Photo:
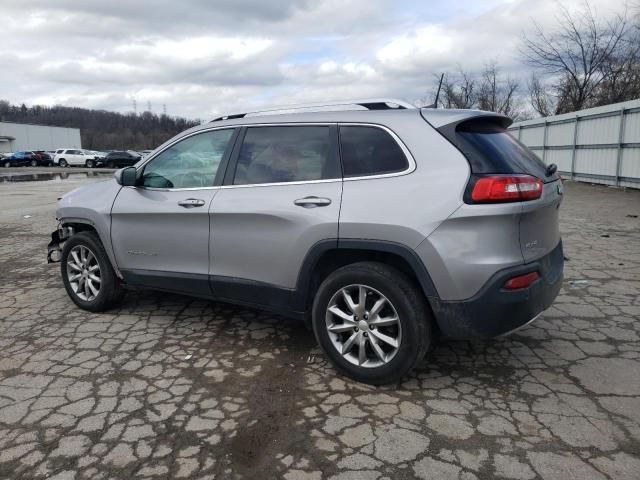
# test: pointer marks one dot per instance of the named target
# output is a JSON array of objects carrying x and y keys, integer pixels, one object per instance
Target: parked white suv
[{"x": 75, "y": 157}]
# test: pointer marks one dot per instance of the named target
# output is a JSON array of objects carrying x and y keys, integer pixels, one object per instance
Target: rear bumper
[{"x": 495, "y": 311}]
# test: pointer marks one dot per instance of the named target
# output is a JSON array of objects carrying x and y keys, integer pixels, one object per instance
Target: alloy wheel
[
  {"x": 363, "y": 326},
  {"x": 83, "y": 273}
]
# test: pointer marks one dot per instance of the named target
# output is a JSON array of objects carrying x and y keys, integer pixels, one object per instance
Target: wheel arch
[
  {"x": 328, "y": 255},
  {"x": 85, "y": 225}
]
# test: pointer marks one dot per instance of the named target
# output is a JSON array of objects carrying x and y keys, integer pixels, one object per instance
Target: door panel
[
  {"x": 259, "y": 233},
  {"x": 160, "y": 229},
  {"x": 150, "y": 230},
  {"x": 77, "y": 159}
]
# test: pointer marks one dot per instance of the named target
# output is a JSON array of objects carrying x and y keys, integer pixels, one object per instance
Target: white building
[{"x": 20, "y": 136}]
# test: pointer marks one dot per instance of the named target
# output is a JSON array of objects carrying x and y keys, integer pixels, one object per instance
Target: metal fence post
[
  {"x": 573, "y": 150},
  {"x": 519, "y": 133},
  {"x": 621, "y": 126},
  {"x": 544, "y": 143}
]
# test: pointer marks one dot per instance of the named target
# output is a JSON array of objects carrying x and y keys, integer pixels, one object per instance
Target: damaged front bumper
[{"x": 58, "y": 237}]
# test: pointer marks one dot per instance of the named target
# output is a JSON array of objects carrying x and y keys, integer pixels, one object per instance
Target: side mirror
[{"x": 126, "y": 176}]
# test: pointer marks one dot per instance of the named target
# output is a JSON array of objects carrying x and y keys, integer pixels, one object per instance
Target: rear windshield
[{"x": 490, "y": 149}]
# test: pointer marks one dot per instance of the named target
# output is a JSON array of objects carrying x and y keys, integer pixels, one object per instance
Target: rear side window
[
  {"x": 370, "y": 151},
  {"x": 286, "y": 154},
  {"x": 490, "y": 149}
]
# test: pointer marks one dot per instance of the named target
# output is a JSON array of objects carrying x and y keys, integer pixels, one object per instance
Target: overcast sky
[{"x": 203, "y": 57}]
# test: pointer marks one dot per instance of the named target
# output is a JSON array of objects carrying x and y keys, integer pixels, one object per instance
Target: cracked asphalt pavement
[{"x": 168, "y": 386}]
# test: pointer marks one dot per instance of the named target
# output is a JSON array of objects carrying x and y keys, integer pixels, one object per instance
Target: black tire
[
  {"x": 110, "y": 292},
  {"x": 413, "y": 312},
  {"x": 89, "y": 163},
  {"x": 34, "y": 163},
  {"x": 110, "y": 164},
  {"x": 63, "y": 163},
  {"x": 7, "y": 164}
]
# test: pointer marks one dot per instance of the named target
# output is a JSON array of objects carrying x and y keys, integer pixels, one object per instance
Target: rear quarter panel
[
  {"x": 407, "y": 208},
  {"x": 470, "y": 246}
]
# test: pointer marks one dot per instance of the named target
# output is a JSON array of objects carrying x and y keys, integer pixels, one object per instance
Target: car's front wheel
[
  {"x": 87, "y": 274},
  {"x": 34, "y": 163},
  {"x": 89, "y": 163},
  {"x": 372, "y": 322},
  {"x": 7, "y": 164},
  {"x": 63, "y": 163}
]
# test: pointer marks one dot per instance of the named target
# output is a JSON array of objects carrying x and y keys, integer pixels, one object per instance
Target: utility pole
[
  {"x": 135, "y": 107},
  {"x": 149, "y": 106},
  {"x": 164, "y": 109}
]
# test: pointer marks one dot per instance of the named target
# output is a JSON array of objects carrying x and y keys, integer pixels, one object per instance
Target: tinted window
[
  {"x": 190, "y": 163},
  {"x": 489, "y": 148},
  {"x": 286, "y": 154},
  {"x": 501, "y": 152},
  {"x": 370, "y": 151}
]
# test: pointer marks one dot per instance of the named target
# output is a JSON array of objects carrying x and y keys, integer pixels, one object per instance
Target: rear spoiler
[{"x": 438, "y": 118}]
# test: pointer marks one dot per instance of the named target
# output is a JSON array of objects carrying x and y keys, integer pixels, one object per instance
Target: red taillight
[
  {"x": 521, "y": 281},
  {"x": 500, "y": 188}
]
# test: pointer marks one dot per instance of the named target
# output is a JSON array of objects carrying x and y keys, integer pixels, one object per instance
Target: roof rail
[{"x": 367, "y": 103}]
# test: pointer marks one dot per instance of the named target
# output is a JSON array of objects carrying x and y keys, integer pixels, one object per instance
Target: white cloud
[{"x": 429, "y": 42}]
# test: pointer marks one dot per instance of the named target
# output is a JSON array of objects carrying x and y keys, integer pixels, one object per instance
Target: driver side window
[{"x": 190, "y": 163}]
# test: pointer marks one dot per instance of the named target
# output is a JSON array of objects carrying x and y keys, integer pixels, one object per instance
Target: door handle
[
  {"x": 312, "y": 202},
  {"x": 191, "y": 202}
]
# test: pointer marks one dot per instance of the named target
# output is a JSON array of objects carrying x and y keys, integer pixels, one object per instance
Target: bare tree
[
  {"x": 621, "y": 71},
  {"x": 498, "y": 94},
  {"x": 486, "y": 90},
  {"x": 459, "y": 91},
  {"x": 576, "y": 55},
  {"x": 541, "y": 100}
]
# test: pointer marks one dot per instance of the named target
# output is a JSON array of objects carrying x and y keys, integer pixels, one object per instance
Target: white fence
[{"x": 597, "y": 145}]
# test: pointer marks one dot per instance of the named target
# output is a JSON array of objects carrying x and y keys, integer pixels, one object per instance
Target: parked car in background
[
  {"x": 119, "y": 159},
  {"x": 76, "y": 157},
  {"x": 382, "y": 227},
  {"x": 18, "y": 159},
  {"x": 42, "y": 159}
]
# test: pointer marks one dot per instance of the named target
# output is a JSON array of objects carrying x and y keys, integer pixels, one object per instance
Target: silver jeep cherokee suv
[{"x": 381, "y": 224}]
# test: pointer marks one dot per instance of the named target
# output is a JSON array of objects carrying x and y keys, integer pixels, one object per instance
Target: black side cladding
[{"x": 490, "y": 149}]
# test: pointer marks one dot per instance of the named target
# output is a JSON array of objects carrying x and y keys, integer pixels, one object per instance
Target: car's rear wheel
[
  {"x": 88, "y": 276},
  {"x": 63, "y": 162},
  {"x": 372, "y": 322},
  {"x": 89, "y": 164},
  {"x": 110, "y": 164},
  {"x": 7, "y": 164}
]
